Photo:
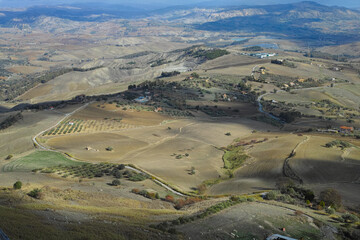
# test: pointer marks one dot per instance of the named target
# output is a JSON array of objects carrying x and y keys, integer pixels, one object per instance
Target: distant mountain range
[
  {"x": 307, "y": 21},
  {"x": 153, "y": 4}
]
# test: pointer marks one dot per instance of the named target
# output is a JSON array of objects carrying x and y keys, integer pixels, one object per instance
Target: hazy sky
[{"x": 165, "y": 3}]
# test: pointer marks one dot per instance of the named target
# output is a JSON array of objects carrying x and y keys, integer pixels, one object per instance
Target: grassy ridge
[
  {"x": 25, "y": 224},
  {"x": 39, "y": 159}
]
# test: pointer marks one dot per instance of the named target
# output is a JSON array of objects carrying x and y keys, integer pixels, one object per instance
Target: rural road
[
  {"x": 66, "y": 116},
  {"x": 158, "y": 182}
]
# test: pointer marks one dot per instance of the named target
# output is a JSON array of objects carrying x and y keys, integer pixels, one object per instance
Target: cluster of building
[
  {"x": 260, "y": 55},
  {"x": 342, "y": 129}
]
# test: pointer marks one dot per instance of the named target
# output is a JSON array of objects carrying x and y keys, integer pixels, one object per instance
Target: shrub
[
  {"x": 287, "y": 198},
  {"x": 192, "y": 170},
  {"x": 348, "y": 217},
  {"x": 180, "y": 203},
  {"x": 109, "y": 149},
  {"x": 272, "y": 195},
  {"x": 36, "y": 193},
  {"x": 201, "y": 188},
  {"x": 138, "y": 177},
  {"x": 150, "y": 195},
  {"x": 169, "y": 198},
  {"x": 331, "y": 197},
  {"x": 10, "y": 156},
  {"x": 322, "y": 204},
  {"x": 135, "y": 190},
  {"x": 330, "y": 210},
  {"x": 116, "y": 182},
  {"x": 117, "y": 174},
  {"x": 18, "y": 185}
]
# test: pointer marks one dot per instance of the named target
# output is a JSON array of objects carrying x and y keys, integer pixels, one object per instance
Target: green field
[
  {"x": 234, "y": 156},
  {"x": 39, "y": 159}
]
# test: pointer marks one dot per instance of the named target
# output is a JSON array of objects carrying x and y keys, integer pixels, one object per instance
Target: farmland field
[{"x": 39, "y": 159}]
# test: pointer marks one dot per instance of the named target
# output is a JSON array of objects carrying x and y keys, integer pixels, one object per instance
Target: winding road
[{"x": 61, "y": 120}]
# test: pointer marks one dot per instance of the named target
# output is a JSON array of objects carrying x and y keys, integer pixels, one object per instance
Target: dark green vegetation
[
  {"x": 285, "y": 63},
  {"x": 39, "y": 159},
  {"x": 159, "y": 62},
  {"x": 208, "y": 54},
  {"x": 169, "y": 74},
  {"x": 11, "y": 120},
  {"x": 35, "y": 193},
  {"x": 17, "y": 185},
  {"x": 253, "y": 49},
  {"x": 338, "y": 143},
  {"x": 290, "y": 116},
  {"x": 116, "y": 182},
  {"x": 291, "y": 194}
]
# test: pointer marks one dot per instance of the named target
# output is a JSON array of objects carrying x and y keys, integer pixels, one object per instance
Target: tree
[
  {"x": 18, "y": 185},
  {"x": 116, "y": 182},
  {"x": 117, "y": 174},
  {"x": 195, "y": 75},
  {"x": 331, "y": 197},
  {"x": 309, "y": 195},
  {"x": 121, "y": 167}
]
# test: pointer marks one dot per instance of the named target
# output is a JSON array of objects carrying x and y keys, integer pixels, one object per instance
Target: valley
[{"x": 179, "y": 124}]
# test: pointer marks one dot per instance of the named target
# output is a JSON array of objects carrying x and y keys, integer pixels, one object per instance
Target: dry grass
[{"x": 96, "y": 143}]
